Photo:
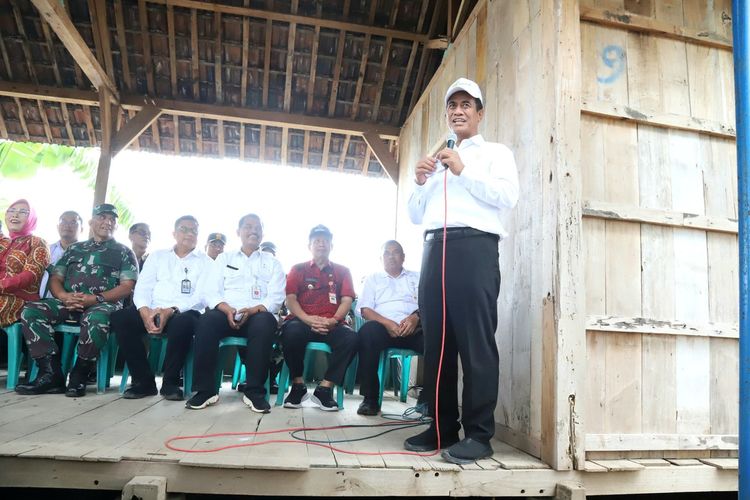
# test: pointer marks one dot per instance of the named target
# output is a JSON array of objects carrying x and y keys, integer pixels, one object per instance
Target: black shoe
[
  {"x": 257, "y": 403},
  {"x": 171, "y": 392},
  {"x": 297, "y": 394},
  {"x": 323, "y": 397},
  {"x": 241, "y": 387},
  {"x": 427, "y": 441},
  {"x": 138, "y": 391},
  {"x": 274, "y": 388},
  {"x": 202, "y": 399},
  {"x": 368, "y": 407},
  {"x": 78, "y": 378},
  {"x": 466, "y": 451},
  {"x": 49, "y": 380},
  {"x": 91, "y": 378}
]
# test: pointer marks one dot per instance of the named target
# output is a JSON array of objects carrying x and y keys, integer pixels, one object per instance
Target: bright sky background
[{"x": 360, "y": 211}]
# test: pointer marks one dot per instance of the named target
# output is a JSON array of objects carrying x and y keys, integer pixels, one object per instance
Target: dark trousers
[
  {"x": 128, "y": 326},
  {"x": 472, "y": 283},
  {"x": 373, "y": 339},
  {"x": 343, "y": 342},
  {"x": 213, "y": 326}
]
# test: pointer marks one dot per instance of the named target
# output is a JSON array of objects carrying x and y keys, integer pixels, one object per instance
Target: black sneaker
[
  {"x": 202, "y": 399},
  {"x": 368, "y": 407},
  {"x": 138, "y": 391},
  {"x": 427, "y": 441},
  {"x": 466, "y": 451},
  {"x": 257, "y": 403},
  {"x": 323, "y": 397},
  {"x": 171, "y": 392},
  {"x": 296, "y": 396}
]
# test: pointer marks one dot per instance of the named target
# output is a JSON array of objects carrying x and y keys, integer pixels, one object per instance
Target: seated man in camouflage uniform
[{"x": 88, "y": 283}]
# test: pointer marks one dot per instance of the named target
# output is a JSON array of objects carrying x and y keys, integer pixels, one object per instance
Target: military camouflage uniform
[{"x": 88, "y": 267}]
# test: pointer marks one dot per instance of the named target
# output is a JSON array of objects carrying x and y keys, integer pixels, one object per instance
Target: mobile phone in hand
[
  {"x": 238, "y": 316},
  {"x": 157, "y": 320}
]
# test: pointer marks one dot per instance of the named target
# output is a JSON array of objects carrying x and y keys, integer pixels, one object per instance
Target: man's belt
[{"x": 455, "y": 232}]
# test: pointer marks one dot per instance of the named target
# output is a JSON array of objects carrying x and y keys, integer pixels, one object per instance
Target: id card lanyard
[{"x": 185, "y": 285}]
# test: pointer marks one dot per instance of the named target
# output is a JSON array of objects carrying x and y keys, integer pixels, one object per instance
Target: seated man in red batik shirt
[{"x": 319, "y": 294}]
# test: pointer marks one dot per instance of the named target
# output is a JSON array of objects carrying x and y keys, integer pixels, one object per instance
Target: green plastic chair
[
  {"x": 239, "y": 367},
  {"x": 385, "y": 357},
  {"x": 156, "y": 352},
  {"x": 15, "y": 354}
]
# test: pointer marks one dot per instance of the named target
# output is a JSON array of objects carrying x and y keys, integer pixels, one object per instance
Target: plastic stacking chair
[
  {"x": 239, "y": 368},
  {"x": 156, "y": 351},
  {"x": 15, "y": 354},
  {"x": 284, "y": 375},
  {"x": 385, "y": 357}
]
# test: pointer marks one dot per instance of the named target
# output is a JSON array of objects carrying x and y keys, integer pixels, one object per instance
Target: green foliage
[{"x": 22, "y": 160}]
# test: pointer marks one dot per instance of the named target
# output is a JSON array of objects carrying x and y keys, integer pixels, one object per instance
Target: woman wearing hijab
[{"x": 23, "y": 259}]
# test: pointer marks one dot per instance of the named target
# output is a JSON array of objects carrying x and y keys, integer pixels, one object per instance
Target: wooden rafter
[
  {"x": 45, "y": 121},
  {"x": 172, "y": 51},
  {"x": 89, "y": 125},
  {"x": 381, "y": 80},
  {"x": 54, "y": 13},
  {"x": 422, "y": 66},
  {"x": 123, "y": 45},
  {"x": 25, "y": 39},
  {"x": 242, "y": 141},
  {"x": 326, "y": 151},
  {"x": 291, "y": 39},
  {"x": 243, "y": 75},
  {"x": 101, "y": 26},
  {"x": 134, "y": 128},
  {"x": 410, "y": 65},
  {"x": 3, "y": 128},
  {"x": 148, "y": 67},
  {"x": 95, "y": 34},
  {"x": 284, "y": 146},
  {"x": 218, "y": 55},
  {"x": 58, "y": 79},
  {"x": 199, "y": 134},
  {"x": 336, "y": 73},
  {"x": 262, "y": 144},
  {"x": 461, "y": 14},
  {"x": 22, "y": 118},
  {"x": 344, "y": 150},
  {"x": 195, "y": 54},
  {"x": 267, "y": 62},
  {"x": 220, "y": 137},
  {"x": 270, "y": 15},
  {"x": 313, "y": 63},
  {"x": 6, "y": 60},
  {"x": 383, "y": 154},
  {"x": 305, "y": 152},
  {"x": 366, "y": 164},
  {"x": 363, "y": 63}
]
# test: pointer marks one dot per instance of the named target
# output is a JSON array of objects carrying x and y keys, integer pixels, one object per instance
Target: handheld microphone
[{"x": 452, "y": 138}]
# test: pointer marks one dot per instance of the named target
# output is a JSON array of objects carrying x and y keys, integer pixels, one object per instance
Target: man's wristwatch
[
  {"x": 100, "y": 298},
  {"x": 175, "y": 310}
]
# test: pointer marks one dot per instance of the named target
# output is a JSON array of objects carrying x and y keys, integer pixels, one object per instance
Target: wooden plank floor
[{"x": 108, "y": 428}]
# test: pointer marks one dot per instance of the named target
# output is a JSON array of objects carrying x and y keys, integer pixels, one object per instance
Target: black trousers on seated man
[
  {"x": 472, "y": 282},
  {"x": 373, "y": 340},
  {"x": 128, "y": 326},
  {"x": 259, "y": 329},
  {"x": 295, "y": 335}
]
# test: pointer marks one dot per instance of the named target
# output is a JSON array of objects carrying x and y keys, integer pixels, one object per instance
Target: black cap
[
  {"x": 104, "y": 208},
  {"x": 217, "y": 237},
  {"x": 320, "y": 230},
  {"x": 268, "y": 246}
]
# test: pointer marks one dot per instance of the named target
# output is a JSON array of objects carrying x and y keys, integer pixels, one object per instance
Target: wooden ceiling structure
[{"x": 322, "y": 84}]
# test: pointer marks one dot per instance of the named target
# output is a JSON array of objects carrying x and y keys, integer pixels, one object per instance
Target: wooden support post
[
  {"x": 384, "y": 156},
  {"x": 102, "y": 172},
  {"x": 146, "y": 488},
  {"x": 570, "y": 490}
]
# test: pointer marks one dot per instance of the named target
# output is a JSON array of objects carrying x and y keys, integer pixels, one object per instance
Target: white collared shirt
[
  {"x": 247, "y": 281},
  {"x": 487, "y": 186},
  {"x": 160, "y": 282},
  {"x": 55, "y": 252},
  {"x": 394, "y": 298}
]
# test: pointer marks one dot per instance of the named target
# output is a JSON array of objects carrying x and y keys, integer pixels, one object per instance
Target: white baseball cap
[{"x": 467, "y": 86}]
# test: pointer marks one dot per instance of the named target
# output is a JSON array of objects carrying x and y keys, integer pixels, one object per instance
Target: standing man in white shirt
[
  {"x": 389, "y": 304},
  {"x": 245, "y": 291},
  {"x": 168, "y": 299},
  {"x": 69, "y": 226},
  {"x": 482, "y": 183}
]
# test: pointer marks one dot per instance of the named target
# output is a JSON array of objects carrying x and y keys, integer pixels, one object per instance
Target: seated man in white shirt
[
  {"x": 69, "y": 226},
  {"x": 168, "y": 299},
  {"x": 245, "y": 291},
  {"x": 389, "y": 304}
]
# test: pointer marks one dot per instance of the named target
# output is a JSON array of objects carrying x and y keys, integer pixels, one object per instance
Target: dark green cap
[{"x": 104, "y": 208}]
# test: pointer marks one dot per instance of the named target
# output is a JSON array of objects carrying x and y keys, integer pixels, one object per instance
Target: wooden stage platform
[{"x": 103, "y": 441}]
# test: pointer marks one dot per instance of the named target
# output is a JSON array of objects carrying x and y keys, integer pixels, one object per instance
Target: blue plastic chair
[
  {"x": 156, "y": 352},
  {"x": 15, "y": 354},
  {"x": 313, "y": 346},
  {"x": 385, "y": 357},
  {"x": 239, "y": 368}
]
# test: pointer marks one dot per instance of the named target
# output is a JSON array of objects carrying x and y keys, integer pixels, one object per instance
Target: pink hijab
[{"x": 30, "y": 224}]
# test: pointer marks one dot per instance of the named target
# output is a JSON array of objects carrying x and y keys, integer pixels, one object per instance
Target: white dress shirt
[
  {"x": 55, "y": 252},
  {"x": 243, "y": 281},
  {"x": 160, "y": 282},
  {"x": 394, "y": 298},
  {"x": 487, "y": 186}
]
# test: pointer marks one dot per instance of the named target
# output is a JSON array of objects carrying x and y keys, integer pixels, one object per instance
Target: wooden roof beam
[
  {"x": 202, "y": 110},
  {"x": 383, "y": 154},
  {"x": 290, "y": 60},
  {"x": 291, "y": 18},
  {"x": 54, "y": 13},
  {"x": 134, "y": 128}
]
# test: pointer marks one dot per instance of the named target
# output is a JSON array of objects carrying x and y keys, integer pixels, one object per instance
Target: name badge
[
  {"x": 332, "y": 298},
  {"x": 186, "y": 286},
  {"x": 256, "y": 292}
]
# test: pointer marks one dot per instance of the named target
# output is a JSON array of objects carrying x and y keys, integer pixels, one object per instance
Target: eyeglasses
[
  {"x": 17, "y": 211},
  {"x": 185, "y": 229},
  {"x": 70, "y": 223},
  {"x": 143, "y": 233}
]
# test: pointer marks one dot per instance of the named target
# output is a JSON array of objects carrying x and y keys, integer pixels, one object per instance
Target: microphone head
[{"x": 451, "y": 140}]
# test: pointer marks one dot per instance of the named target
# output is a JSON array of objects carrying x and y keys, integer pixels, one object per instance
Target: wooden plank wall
[
  {"x": 658, "y": 152},
  {"x": 500, "y": 47}
]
